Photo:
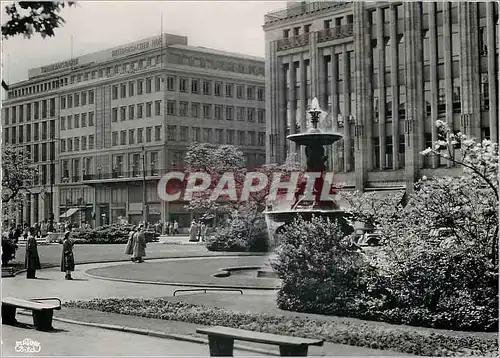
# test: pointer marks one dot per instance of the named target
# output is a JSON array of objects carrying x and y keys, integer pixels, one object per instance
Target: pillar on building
[
  {"x": 335, "y": 106},
  {"x": 434, "y": 84},
  {"x": 448, "y": 75},
  {"x": 303, "y": 103},
  {"x": 395, "y": 39},
  {"x": 363, "y": 93},
  {"x": 414, "y": 90},
  {"x": 314, "y": 63},
  {"x": 347, "y": 110},
  {"x": 292, "y": 98},
  {"x": 469, "y": 69},
  {"x": 270, "y": 102},
  {"x": 32, "y": 209},
  {"x": 381, "y": 86},
  {"x": 492, "y": 71},
  {"x": 282, "y": 111}
]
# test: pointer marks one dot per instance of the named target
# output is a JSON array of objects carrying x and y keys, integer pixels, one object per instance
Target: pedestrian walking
[
  {"x": 129, "y": 249},
  {"x": 193, "y": 231},
  {"x": 203, "y": 231},
  {"x": 176, "y": 227},
  {"x": 31, "y": 260},
  {"x": 139, "y": 245},
  {"x": 67, "y": 259},
  {"x": 170, "y": 228}
]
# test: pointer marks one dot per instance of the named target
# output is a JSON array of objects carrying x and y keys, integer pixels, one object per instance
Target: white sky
[{"x": 234, "y": 26}]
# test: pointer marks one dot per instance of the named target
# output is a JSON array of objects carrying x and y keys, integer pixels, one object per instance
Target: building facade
[
  {"x": 386, "y": 72},
  {"x": 100, "y": 125}
]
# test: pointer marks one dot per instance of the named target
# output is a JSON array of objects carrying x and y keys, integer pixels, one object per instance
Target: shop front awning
[{"x": 69, "y": 213}]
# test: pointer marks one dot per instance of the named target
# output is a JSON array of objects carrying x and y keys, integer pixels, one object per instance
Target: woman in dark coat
[
  {"x": 129, "y": 249},
  {"x": 67, "y": 260},
  {"x": 31, "y": 260}
]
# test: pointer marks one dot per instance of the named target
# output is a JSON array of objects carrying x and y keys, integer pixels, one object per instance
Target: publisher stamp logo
[{"x": 28, "y": 345}]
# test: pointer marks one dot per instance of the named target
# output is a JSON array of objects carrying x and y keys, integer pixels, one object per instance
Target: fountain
[{"x": 314, "y": 141}]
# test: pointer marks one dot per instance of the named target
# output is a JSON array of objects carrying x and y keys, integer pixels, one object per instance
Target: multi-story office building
[
  {"x": 386, "y": 72},
  {"x": 98, "y": 124}
]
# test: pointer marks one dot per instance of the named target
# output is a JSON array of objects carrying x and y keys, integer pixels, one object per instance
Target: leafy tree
[
  {"x": 18, "y": 173},
  {"x": 29, "y": 17}
]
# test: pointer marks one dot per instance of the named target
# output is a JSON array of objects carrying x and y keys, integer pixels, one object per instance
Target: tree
[
  {"x": 29, "y": 17},
  {"x": 18, "y": 173}
]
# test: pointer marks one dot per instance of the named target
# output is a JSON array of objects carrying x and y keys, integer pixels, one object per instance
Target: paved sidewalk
[{"x": 76, "y": 340}]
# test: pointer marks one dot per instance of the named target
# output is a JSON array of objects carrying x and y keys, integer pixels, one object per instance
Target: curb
[{"x": 156, "y": 334}]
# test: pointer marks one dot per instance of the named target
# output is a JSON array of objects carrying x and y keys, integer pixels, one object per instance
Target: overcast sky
[{"x": 234, "y": 26}]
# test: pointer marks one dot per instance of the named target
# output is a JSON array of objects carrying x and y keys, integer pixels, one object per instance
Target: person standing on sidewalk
[
  {"x": 31, "y": 260},
  {"x": 67, "y": 259},
  {"x": 193, "y": 231},
  {"x": 176, "y": 227},
  {"x": 139, "y": 245},
  {"x": 129, "y": 249}
]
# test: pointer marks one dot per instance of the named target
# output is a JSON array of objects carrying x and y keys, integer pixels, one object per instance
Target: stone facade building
[
  {"x": 386, "y": 72},
  {"x": 97, "y": 124}
]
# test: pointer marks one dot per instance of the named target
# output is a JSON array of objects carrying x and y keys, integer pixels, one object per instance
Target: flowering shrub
[
  {"x": 242, "y": 234},
  {"x": 412, "y": 341}
]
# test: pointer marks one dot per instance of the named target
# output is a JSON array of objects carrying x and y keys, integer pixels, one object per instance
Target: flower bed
[
  {"x": 418, "y": 342},
  {"x": 110, "y": 234}
]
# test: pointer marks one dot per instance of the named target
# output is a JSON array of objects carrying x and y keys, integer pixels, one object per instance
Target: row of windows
[
  {"x": 30, "y": 111},
  {"x": 136, "y": 137},
  {"x": 41, "y": 152},
  {"x": 182, "y": 84},
  {"x": 79, "y": 120},
  {"x": 139, "y": 64},
  {"x": 77, "y": 99},
  {"x": 30, "y": 132},
  {"x": 77, "y": 143},
  {"x": 207, "y": 111}
]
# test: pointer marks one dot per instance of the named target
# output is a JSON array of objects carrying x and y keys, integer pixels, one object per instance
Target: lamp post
[{"x": 144, "y": 203}]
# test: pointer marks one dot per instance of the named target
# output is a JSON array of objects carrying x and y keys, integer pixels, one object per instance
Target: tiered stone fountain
[{"x": 314, "y": 141}]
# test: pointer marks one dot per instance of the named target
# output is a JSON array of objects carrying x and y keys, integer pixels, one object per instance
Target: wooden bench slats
[
  {"x": 258, "y": 337},
  {"x": 31, "y": 305}
]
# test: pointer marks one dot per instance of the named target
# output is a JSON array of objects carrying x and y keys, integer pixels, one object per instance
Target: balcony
[
  {"x": 293, "y": 42},
  {"x": 333, "y": 33},
  {"x": 305, "y": 7}
]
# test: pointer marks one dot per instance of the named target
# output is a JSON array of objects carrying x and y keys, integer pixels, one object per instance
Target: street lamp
[{"x": 144, "y": 203}]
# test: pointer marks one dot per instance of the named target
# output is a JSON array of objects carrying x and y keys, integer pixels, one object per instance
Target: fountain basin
[{"x": 314, "y": 137}]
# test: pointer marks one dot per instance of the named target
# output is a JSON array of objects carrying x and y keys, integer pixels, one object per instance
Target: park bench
[
  {"x": 221, "y": 341},
  {"x": 42, "y": 312}
]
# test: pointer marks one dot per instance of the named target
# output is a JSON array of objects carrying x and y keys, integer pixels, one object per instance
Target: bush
[
  {"x": 9, "y": 248},
  {"x": 109, "y": 234},
  {"x": 418, "y": 342},
  {"x": 240, "y": 235},
  {"x": 320, "y": 271}
]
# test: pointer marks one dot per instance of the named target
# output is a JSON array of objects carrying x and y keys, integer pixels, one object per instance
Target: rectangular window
[
  {"x": 84, "y": 143},
  {"x": 63, "y": 145},
  {"x": 196, "y": 134},
  {"x": 207, "y": 111},
  {"x": 91, "y": 97},
  {"x": 229, "y": 90},
  {"x": 251, "y": 114},
  {"x": 131, "y": 112},
  {"x": 241, "y": 137},
  {"x": 207, "y": 135},
  {"x": 63, "y": 123},
  {"x": 123, "y": 90},
  {"x": 171, "y": 108},
  {"x": 77, "y": 100},
  {"x": 77, "y": 121},
  {"x": 149, "y": 131},
  {"x": 148, "y": 85},
  {"x": 91, "y": 119},
  {"x": 240, "y": 114},
  {"x": 170, "y": 83},
  {"x": 183, "y": 110},
  {"x": 63, "y": 102},
  {"x": 123, "y": 137},
  {"x": 115, "y": 138},
  {"x": 218, "y": 89},
  {"x": 230, "y": 136},
  {"x": 114, "y": 114},
  {"x": 84, "y": 98},
  {"x": 157, "y": 108},
  {"x": 123, "y": 113},
  {"x": 140, "y": 84},
  {"x": 114, "y": 93},
  {"x": 44, "y": 108},
  {"x": 140, "y": 108},
  {"x": 262, "y": 139},
  {"x": 218, "y": 112},
  {"x": 91, "y": 141},
  {"x": 131, "y": 89},
  {"x": 219, "y": 136},
  {"x": 157, "y": 83},
  {"x": 84, "y": 120},
  {"x": 206, "y": 88},
  {"x": 70, "y": 122},
  {"x": 239, "y": 91},
  {"x": 195, "y": 110},
  {"x": 172, "y": 133},
  {"x": 184, "y": 134},
  {"x": 229, "y": 113},
  {"x": 76, "y": 144},
  {"x": 148, "y": 109},
  {"x": 140, "y": 134},
  {"x": 131, "y": 136},
  {"x": 183, "y": 85},
  {"x": 157, "y": 133},
  {"x": 261, "y": 115},
  {"x": 195, "y": 86},
  {"x": 260, "y": 94},
  {"x": 52, "y": 108},
  {"x": 250, "y": 93}
]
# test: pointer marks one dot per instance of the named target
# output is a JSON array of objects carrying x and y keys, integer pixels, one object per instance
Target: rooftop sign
[{"x": 111, "y": 54}]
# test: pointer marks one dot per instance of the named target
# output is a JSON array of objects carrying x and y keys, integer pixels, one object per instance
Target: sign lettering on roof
[{"x": 60, "y": 65}]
